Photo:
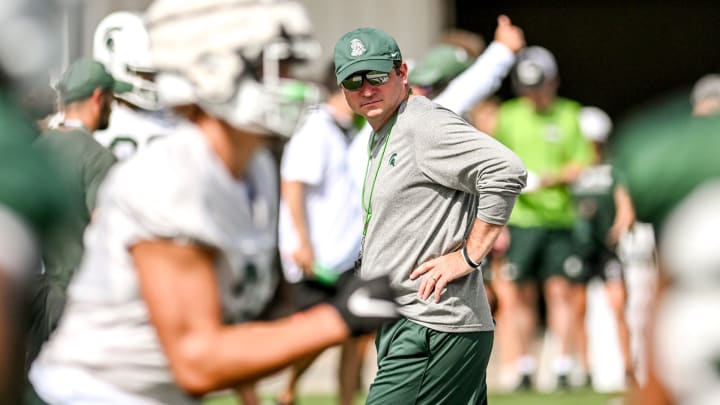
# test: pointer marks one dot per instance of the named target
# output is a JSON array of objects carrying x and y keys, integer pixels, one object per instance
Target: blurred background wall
[{"x": 612, "y": 53}]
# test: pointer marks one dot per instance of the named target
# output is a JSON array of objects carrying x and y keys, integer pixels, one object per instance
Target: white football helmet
[
  {"x": 122, "y": 44},
  {"x": 225, "y": 55}
]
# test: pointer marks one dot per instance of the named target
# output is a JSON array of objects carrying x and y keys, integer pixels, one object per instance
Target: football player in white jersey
[
  {"x": 177, "y": 262},
  {"x": 122, "y": 44}
]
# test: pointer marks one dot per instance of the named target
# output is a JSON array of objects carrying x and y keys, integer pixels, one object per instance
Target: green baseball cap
[
  {"x": 365, "y": 49},
  {"x": 84, "y": 76},
  {"x": 440, "y": 65}
]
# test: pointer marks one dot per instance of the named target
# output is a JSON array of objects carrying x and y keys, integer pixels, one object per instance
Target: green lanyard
[{"x": 368, "y": 208}]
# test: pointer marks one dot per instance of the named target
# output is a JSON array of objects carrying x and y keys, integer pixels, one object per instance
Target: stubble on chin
[{"x": 374, "y": 112}]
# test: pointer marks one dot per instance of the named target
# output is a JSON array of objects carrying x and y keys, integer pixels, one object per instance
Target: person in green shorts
[
  {"x": 436, "y": 195},
  {"x": 605, "y": 215},
  {"x": 86, "y": 91},
  {"x": 543, "y": 129}
]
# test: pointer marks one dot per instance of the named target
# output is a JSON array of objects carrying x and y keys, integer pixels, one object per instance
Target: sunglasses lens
[
  {"x": 353, "y": 83},
  {"x": 377, "y": 78}
]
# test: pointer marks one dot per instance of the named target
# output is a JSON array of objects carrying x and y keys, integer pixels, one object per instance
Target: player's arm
[
  {"x": 624, "y": 214},
  {"x": 569, "y": 173},
  {"x": 179, "y": 285},
  {"x": 293, "y": 194},
  {"x": 486, "y": 74}
]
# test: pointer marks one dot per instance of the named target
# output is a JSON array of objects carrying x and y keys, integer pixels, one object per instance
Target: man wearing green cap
[
  {"x": 435, "y": 196},
  {"x": 86, "y": 91}
]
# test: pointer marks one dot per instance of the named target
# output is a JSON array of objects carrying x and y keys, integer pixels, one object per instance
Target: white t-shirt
[
  {"x": 132, "y": 130},
  {"x": 175, "y": 189},
  {"x": 316, "y": 155}
]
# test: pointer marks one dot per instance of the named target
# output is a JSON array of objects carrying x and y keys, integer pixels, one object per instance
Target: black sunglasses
[{"x": 375, "y": 78}]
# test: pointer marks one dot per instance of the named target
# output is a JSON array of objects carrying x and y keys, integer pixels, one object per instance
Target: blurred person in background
[
  {"x": 675, "y": 188},
  {"x": 705, "y": 96},
  {"x": 605, "y": 216},
  {"x": 86, "y": 90},
  {"x": 425, "y": 162},
  {"x": 31, "y": 193},
  {"x": 178, "y": 261},
  {"x": 451, "y": 76},
  {"x": 686, "y": 335},
  {"x": 319, "y": 225},
  {"x": 437, "y": 68},
  {"x": 31, "y": 201},
  {"x": 121, "y": 43},
  {"x": 473, "y": 43},
  {"x": 544, "y": 130},
  {"x": 483, "y": 115}
]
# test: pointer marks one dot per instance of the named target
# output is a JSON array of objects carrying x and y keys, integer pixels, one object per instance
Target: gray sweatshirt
[{"x": 436, "y": 174}]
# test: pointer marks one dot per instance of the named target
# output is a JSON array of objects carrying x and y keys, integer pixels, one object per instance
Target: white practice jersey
[
  {"x": 131, "y": 130},
  {"x": 316, "y": 156},
  {"x": 175, "y": 189}
]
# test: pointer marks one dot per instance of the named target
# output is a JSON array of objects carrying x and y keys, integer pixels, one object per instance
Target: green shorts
[
  {"x": 539, "y": 253},
  {"x": 419, "y": 365}
]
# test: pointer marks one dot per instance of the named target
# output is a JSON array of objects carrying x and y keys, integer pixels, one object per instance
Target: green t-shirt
[
  {"x": 82, "y": 163},
  {"x": 546, "y": 142}
]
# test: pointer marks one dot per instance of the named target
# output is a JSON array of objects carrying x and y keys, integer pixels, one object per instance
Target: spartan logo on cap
[
  {"x": 358, "y": 48},
  {"x": 529, "y": 73}
]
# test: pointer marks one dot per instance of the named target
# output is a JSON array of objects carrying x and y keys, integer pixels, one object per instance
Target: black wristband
[{"x": 468, "y": 260}]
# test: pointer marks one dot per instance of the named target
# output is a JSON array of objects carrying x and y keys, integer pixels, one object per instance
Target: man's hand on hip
[{"x": 439, "y": 272}]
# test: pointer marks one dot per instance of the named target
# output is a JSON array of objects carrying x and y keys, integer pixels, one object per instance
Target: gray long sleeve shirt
[{"x": 436, "y": 174}]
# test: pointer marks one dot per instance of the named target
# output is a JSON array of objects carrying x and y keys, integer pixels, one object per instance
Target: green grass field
[{"x": 581, "y": 397}]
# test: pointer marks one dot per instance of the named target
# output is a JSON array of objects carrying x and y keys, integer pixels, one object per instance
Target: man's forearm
[
  {"x": 293, "y": 193},
  {"x": 481, "y": 239}
]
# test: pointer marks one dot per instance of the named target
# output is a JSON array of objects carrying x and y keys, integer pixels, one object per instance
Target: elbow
[
  {"x": 192, "y": 367},
  {"x": 193, "y": 383}
]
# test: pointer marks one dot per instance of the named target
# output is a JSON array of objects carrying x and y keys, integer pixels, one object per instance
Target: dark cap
[
  {"x": 365, "y": 49},
  {"x": 84, "y": 76}
]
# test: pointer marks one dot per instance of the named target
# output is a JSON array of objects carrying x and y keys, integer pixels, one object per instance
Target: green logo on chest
[{"x": 393, "y": 159}]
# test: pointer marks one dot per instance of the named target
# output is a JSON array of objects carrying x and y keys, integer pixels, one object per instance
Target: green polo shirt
[{"x": 545, "y": 142}]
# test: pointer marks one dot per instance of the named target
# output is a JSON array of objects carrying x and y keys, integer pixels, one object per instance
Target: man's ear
[{"x": 97, "y": 96}]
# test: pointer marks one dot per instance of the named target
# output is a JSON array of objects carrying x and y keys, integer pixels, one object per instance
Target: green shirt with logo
[{"x": 546, "y": 142}]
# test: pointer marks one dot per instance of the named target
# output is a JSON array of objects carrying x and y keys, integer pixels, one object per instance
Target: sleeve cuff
[{"x": 495, "y": 208}]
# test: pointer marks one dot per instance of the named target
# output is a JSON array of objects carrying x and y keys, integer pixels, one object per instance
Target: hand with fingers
[
  {"x": 509, "y": 35},
  {"x": 437, "y": 273},
  {"x": 304, "y": 257}
]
